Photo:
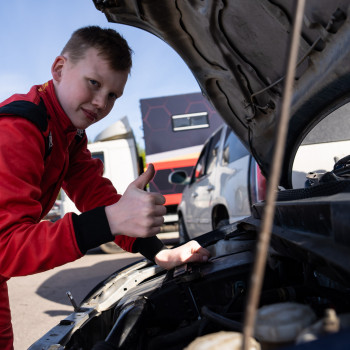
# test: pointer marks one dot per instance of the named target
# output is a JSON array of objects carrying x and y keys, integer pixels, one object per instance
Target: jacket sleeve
[
  {"x": 88, "y": 189},
  {"x": 28, "y": 245},
  {"x": 86, "y": 172}
]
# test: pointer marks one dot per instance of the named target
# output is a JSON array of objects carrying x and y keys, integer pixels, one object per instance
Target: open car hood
[{"x": 237, "y": 52}]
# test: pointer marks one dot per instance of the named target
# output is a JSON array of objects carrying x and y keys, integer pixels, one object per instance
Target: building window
[{"x": 190, "y": 121}]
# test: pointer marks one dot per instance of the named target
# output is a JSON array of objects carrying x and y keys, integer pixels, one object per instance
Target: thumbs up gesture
[{"x": 138, "y": 213}]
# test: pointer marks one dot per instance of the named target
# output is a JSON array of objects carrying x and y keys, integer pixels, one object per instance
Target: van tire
[
  {"x": 222, "y": 223},
  {"x": 183, "y": 235},
  {"x": 220, "y": 217}
]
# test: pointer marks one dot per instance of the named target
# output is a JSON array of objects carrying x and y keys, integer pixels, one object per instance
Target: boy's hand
[
  {"x": 138, "y": 213},
  {"x": 192, "y": 251}
]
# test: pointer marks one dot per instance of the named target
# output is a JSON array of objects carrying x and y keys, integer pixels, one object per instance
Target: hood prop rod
[{"x": 263, "y": 242}]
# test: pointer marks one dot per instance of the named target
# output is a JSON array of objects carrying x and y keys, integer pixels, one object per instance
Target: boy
[{"x": 43, "y": 147}]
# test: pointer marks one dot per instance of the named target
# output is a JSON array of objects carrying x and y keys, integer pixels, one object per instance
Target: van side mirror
[{"x": 179, "y": 177}]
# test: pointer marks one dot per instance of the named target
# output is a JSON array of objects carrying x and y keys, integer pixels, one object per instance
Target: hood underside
[{"x": 237, "y": 51}]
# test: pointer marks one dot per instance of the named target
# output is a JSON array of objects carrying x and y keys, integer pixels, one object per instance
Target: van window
[
  {"x": 233, "y": 148},
  {"x": 190, "y": 121},
  {"x": 213, "y": 151},
  {"x": 100, "y": 156},
  {"x": 200, "y": 166},
  {"x": 207, "y": 159}
]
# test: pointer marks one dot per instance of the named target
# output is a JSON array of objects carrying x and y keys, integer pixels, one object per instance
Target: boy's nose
[{"x": 100, "y": 102}]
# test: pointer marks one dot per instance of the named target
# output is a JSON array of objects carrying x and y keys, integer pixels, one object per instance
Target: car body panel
[
  {"x": 197, "y": 205},
  {"x": 200, "y": 191},
  {"x": 234, "y": 175}
]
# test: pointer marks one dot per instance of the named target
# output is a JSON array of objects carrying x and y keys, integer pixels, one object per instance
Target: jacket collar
[{"x": 48, "y": 94}]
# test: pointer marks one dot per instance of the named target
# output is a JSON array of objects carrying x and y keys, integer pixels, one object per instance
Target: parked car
[
  {"x": 225, "y": 182},
  {"x": 238, "y": 52}
]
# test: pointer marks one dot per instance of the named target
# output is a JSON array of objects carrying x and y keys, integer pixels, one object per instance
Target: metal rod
[
  {"x": 267, "y": 220},
  {"x": 195, "y": 304},
  {"x": 71, "y": 299}
]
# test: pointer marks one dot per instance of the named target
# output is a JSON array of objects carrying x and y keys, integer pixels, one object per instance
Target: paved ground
[{"x": 39, "y": 302}]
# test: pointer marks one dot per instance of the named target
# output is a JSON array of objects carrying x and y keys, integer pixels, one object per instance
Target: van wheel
[
  {"x": 220, "y": 218},
  {"x": 222, "y": 223},
  {"x": 183, "y": 236},
  {"x": 111, "y": 248}
]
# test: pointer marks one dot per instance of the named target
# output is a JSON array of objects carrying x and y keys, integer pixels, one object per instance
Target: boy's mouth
[{"x": 90, "y": 115}]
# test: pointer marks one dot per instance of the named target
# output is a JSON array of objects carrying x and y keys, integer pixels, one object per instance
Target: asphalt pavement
[{"x": 39, "y": 302}]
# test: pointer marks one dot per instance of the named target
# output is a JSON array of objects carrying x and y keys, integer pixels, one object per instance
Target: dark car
[{"x": 273, "y": 70}]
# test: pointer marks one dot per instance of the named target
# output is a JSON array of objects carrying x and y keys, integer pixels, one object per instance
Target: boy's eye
[
  {"x": 93, "y": 82},
  {"x": 112, "y": 95}
]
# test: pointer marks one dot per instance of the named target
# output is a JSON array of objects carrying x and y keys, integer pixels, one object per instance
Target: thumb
[{"x": 145, "y": 178}]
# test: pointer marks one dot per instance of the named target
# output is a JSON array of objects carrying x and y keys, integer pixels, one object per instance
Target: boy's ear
[{"x": 57, "y": 67}]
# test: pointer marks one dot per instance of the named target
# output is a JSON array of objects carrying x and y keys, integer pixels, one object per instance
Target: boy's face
[{"x": 88, "y": 88}]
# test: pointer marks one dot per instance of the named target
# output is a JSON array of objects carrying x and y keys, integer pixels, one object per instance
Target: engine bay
[{"x": 300, "y": 301}]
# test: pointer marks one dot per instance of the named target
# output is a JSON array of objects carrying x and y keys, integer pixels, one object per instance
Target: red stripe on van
[
  {"x": 171, "y": 199},
  {"x": 174, "y": 164}
]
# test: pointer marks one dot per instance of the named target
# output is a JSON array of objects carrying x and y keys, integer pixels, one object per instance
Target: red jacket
[{"x": 30, "y": 180}]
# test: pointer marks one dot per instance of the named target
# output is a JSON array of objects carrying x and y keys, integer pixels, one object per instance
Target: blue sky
[{"x": 32, "y": 33}]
